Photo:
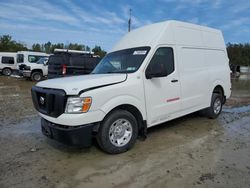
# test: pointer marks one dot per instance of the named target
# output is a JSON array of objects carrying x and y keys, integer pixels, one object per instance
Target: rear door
[
  {"x": 55, "y": 65},
  {"x": 162, "y": 94},
  {"x": 77, "y": 64}
]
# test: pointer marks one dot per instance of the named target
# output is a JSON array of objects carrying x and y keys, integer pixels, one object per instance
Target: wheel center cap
[{"x": 119, "y": 131}]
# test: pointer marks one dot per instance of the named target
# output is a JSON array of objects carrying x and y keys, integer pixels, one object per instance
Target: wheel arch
[
  {"x": 131, "y": 105},
  {"x": 7, "y": 68},
  {"x": 142, "y": 125},
  {"x": 124, "y": 100},
  {"x": 220, "y": 90},
  {"x": 37, "y": 70}
]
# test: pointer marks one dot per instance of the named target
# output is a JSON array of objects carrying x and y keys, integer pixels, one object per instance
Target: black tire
[
  {"x": 36, "y": 76},
  {"x": 103, "y": 135},
  {"x": 215, "y": 108},
  {"x": 7, "y": 71}
]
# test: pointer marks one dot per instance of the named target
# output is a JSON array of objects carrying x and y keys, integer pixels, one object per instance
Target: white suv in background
[
  {"x": 7, "y": 63},
  {"x": 33, "y": 65}
]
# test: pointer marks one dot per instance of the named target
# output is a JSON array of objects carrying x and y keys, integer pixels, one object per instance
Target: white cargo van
[
  {"x": 30, "y": 66},
  {"x": 152, "y": 75},
  {"x": 7, "y": 63}
]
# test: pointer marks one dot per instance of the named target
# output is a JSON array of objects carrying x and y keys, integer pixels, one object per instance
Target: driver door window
[{"x": 162, "y": 61}]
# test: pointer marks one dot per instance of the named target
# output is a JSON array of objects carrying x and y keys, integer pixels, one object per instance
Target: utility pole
[{"x": 129, "y": 20}]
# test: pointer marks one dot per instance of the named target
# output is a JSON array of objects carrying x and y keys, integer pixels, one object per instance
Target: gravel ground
[{"x": 191, "y": 151}]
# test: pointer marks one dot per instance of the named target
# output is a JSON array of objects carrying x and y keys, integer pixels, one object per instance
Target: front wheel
[
  {"x": 216, "y": 106},
  {"x": 118, "y": 132},
  {"x": 36, "y": 76}
]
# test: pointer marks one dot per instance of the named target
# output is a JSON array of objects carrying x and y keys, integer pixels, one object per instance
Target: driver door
[{"x": 162, "y": 86}]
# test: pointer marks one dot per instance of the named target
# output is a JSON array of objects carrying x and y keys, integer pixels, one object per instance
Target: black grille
[{"x": 50, "y": 102}]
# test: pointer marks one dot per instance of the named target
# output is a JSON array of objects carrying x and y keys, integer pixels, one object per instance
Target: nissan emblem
[{"x": 42, "y": 100}]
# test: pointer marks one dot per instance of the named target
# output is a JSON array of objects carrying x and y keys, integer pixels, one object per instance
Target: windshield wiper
[
  {"x": 121, "y": 71},
  {"x": 113, "y": 72}
]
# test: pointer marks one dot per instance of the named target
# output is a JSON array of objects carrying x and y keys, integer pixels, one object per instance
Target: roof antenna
[{"x": 129, "y": 20}]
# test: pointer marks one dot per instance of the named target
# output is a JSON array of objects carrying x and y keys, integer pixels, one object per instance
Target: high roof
[{"x": 172, "y": 32}]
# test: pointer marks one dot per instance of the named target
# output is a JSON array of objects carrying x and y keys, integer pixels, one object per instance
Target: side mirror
[{"x": 155, "y": 71}]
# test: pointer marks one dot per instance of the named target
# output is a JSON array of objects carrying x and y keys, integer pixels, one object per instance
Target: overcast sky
[{"x": 103, "y": 22}]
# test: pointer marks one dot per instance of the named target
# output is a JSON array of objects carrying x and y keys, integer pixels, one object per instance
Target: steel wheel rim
[
  {"x": 120, "y": 132},
  {"x": 7, "y": 72},
  {"x": 217, "y": 106},
  {"x": 37, "y": 77}
]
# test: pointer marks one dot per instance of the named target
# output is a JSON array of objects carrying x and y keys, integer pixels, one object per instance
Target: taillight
[{"x": 64, "y": 69}]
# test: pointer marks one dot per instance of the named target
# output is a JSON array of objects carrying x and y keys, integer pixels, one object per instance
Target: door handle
[{"x": 174, "y": 80}]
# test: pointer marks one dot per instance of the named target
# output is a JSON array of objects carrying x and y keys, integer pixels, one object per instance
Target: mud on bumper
[{"x": 77, "y": 136}]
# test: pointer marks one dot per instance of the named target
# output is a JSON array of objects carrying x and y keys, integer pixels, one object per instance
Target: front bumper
[
  {"x": 75, "y": 119},
  {"x": 77, "y": 135},
  {"x": 26, "y": 73}
]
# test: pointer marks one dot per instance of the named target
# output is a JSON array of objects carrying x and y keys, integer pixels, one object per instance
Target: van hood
[{"x": 75, "y": 84}]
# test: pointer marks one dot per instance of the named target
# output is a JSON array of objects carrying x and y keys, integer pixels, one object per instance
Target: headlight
[{"x": 76, "y": 105}]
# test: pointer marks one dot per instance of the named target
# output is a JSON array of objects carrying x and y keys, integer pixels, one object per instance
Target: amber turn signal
[{"x": 86, "y": 104}]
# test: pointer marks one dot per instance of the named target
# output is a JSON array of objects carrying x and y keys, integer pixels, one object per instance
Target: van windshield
[{"x": 123, "y": 61}]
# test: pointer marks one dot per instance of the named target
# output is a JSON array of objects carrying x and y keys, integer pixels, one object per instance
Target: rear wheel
[
  {"x": 7, "y": 71},
  {"x": 118, "y": 132},
  {"x": 216, "y": 106},
  {"x": 36, "y": 76}
]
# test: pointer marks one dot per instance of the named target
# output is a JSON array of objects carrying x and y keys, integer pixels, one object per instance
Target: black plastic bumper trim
[{"x": 80, "y": 136}]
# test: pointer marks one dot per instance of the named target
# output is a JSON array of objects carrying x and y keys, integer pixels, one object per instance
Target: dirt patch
[
  {"x": 15, "y": 100},
  {"x": 205, "y": 177},
  {"x": 236, "y": 102}
]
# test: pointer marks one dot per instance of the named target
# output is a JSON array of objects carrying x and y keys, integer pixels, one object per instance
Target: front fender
[{"x": 123, "y": 100}]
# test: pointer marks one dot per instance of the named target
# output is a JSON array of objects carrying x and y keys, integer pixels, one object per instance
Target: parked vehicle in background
[
  {"x": 8, "y": 63},
  {"x": 152, "y": 75},
  {"x": 71, "y": 62},
  {"x": 38, "y": 70},
  {"x": 30, "y": 66},
  {"x": 245, "y": 69}
]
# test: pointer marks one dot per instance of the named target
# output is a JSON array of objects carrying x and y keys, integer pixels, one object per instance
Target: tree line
[
  {"x": 239, "y": 54},
  {"x": 7, "y": 44}
]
